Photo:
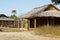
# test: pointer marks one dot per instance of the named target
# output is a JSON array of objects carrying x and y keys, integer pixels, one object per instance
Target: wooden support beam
[
  {"x": 34, "y": 23},
  {"x": 47, "y": 22},
  {"x": 18, "y": 23},
  {"x": 52, "y": 21},
  {"x": 2, "y": 24},
  {"x": 14, "y": 22},
  {"x": 28, "y": 23},
  {"x": 22, "y": 23}
]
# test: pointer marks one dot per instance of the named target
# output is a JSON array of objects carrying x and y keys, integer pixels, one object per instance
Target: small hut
[
  {"x": 47, "y": 15},
  {"x": 5, "y": 21}
]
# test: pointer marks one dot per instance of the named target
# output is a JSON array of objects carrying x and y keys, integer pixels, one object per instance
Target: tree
[
  {"x": 56, "y": 2},
  {"x": 14, "y": 12},
  {"x": 16, "y": 20},
  {"x": 14, "y": 17}
]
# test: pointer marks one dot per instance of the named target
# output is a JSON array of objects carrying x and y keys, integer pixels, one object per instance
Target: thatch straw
[
  {"x": 4, "y": 17},
  {"x": 40, "y": 11}
]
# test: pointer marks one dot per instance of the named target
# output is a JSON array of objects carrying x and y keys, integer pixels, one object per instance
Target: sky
[{"x": 21, "y": 6}]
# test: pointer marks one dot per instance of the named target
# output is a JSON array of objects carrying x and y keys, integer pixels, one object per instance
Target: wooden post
[
  {"x": 47, "y": 22},
  {"x": 2, "y": 23},
  {"x": 34, "y": 23},
  {"x": 22, "y": 23},
  {"x": 28, "y": 23},
  {"x": 52, "y": 21},
  {"x": 14, "y": 22},
  {"x": 18, "y": 23},
  {"x": 7, "y": 24}
]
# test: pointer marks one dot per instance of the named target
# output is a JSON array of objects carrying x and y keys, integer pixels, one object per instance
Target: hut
[
  {"x": 47, "y": 15},
  {"x": 5, "y": 21}
]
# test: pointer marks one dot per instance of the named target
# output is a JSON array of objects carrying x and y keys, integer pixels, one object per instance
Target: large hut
[
  {"x": 5, "y": 21},
  {"x": 47, "y": 15}
]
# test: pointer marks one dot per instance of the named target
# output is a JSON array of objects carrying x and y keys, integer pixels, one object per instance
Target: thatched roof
[
  {"x": 48, "y": 14},
  {"x": 40, "y": 11},
  {"x": 3, "y": 15},
  {"x": 6, "y": 18}
]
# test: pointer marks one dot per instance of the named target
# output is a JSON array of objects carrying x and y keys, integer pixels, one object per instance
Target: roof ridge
[{"x": 43, "y": 6}]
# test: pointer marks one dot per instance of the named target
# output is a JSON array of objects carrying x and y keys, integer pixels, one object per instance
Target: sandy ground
[{"x": 23, "y": 36}]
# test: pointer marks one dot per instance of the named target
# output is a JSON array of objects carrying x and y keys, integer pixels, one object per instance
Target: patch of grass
[{"x": 55, "y": 31}]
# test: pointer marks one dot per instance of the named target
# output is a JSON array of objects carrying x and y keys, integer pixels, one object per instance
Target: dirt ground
[{"x": 23, "y": 36}]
